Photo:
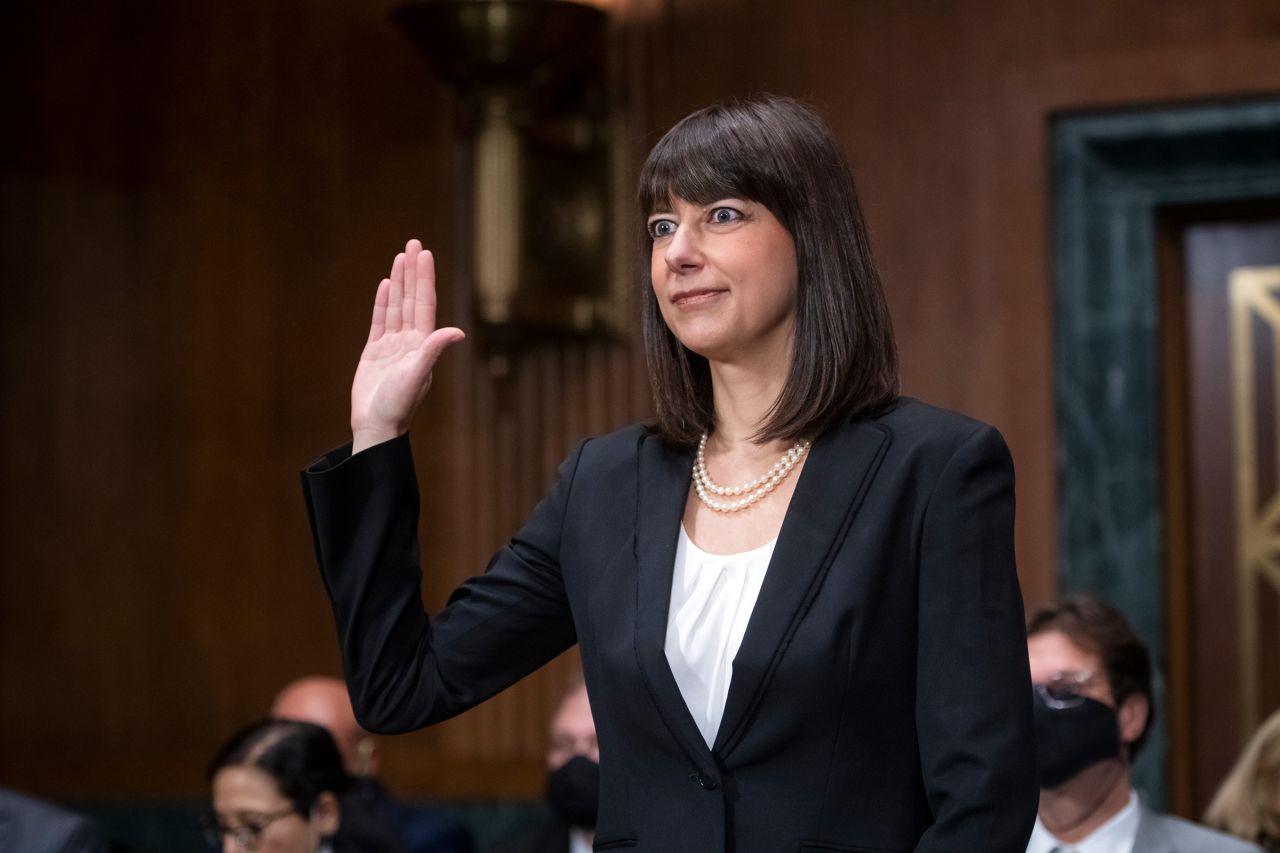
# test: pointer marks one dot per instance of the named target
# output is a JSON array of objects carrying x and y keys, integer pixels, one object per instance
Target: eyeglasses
[
  {"x": 247, "y": 834},
  {"x": 1064, "y": 689}
]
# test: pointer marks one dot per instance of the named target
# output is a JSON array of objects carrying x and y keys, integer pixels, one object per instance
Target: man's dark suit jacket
[
  {"x": 419, "y": 830},
  {"x": 34, "y": 826},
  {"x": 1160, "y": 833},
  {"x": 880, "y": 700}
]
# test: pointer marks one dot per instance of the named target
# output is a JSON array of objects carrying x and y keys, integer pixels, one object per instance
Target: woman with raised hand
[{"x": 794, "y": 592}]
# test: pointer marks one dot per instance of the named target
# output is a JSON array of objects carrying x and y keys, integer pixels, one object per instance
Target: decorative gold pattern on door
[{"x": 1255, "y": 335}]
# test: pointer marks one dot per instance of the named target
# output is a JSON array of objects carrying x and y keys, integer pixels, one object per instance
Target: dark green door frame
[{"x": 1113, "y": 173}]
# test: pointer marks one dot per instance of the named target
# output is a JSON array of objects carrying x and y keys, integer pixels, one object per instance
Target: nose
[{"x": 683, "y": 252}]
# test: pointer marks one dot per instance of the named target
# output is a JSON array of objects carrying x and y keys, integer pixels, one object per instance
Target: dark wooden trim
[{"x": 1180, "y": 624}]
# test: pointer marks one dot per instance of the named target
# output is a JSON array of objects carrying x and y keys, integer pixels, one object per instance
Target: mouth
[{"x": 696, "y": 296}]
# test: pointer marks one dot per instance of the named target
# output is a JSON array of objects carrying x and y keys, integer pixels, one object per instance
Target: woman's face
[
  {"x": 246, "y": 798},
  {"x": 725, "y": 278}
]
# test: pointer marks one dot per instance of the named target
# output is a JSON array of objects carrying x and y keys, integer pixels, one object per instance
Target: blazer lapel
[
  {"x": 663, "y": 480},
  {"x": 837, "y": 474}
]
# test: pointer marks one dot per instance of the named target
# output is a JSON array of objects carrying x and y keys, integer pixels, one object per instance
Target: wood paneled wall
[
  {"x": 198, "y": 200},
  {"x": 944, "y": 111}
]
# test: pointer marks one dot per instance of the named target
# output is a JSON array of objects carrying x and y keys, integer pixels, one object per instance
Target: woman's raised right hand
[{"x": 395, "y": 367}]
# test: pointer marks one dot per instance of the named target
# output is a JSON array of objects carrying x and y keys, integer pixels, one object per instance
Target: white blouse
[{"x": 712, "y": 596}]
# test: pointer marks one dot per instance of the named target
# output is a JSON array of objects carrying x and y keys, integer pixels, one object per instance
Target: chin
[{"x": 707, "y": 350}]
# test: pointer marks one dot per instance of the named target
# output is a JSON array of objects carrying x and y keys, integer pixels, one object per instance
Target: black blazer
[{"x": 880, "y": 700}]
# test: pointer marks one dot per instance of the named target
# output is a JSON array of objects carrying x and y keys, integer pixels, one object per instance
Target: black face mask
[
  {"x": 1069, "y": 740},
  {"x": 573, "y": 790}
]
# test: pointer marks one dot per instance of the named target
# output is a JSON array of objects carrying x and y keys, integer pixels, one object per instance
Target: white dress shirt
[
  {"x": 1114, "y": 836},
  {"x": 579, "y": 840},
  {"x": 712, "y": 596}
]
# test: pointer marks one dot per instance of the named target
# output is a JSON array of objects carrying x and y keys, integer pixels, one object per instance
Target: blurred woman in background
[
  {"x": 1248, "y": 803},
  {"x": 279, "y": 787}
]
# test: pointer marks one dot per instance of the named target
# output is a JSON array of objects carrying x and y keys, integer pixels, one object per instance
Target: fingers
[
  {"x": 407, "y": 298},
  {"x": 424, "y": 305},
  {"x": 412, "y": 250},
  {"x": 379, "y": 323},
  {"x": 395, "y": 295}
]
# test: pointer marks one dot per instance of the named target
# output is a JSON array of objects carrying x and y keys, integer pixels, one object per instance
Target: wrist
[{"x": 363, "y": 439}]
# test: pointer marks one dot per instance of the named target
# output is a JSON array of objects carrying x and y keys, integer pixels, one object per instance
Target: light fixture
[{"x": 530, "y": 78}]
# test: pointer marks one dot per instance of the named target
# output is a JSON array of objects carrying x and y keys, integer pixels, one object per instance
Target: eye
[
  {"x": 725, "y": 215},
  {"x": 659, "y": 228}
]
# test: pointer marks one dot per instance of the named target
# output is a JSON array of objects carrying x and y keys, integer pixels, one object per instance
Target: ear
[
  {"x": 1132, "y": 715},
  {"x": 325, "y": 815},
  {"x": 366, "y": 761}
]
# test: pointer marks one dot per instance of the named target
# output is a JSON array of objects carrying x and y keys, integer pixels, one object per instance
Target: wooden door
[{"x": 1221, "y": 304}]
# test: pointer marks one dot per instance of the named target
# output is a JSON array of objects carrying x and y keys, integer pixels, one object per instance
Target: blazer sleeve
[
  {"x": 973, "y": 714},
  {"x": 403, "y": 669}
]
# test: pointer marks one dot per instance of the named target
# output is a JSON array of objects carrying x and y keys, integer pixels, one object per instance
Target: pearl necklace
[{"x": 755, "y": 490}]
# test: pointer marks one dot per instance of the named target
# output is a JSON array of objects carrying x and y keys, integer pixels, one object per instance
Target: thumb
[{"x": 439, "y": 341}]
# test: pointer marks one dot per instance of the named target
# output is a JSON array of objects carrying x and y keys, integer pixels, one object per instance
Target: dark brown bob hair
[
  {"x": 1099, "y": 628},
  {"x": 777, "y": 152}
]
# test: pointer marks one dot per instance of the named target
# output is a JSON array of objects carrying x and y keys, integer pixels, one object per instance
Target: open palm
[{"x": 395, "y": 368}]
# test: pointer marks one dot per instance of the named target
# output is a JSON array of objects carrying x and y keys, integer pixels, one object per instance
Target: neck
[
  {"x": 743, "y": 397},
  {"x": 1075, "y": 810}
]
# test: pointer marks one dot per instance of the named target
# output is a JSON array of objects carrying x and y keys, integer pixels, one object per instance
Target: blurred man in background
[
  {"x": 1093, "y": 708},
  {"x": 324, "y": 701},
  {"x": 573, "y": 782}
]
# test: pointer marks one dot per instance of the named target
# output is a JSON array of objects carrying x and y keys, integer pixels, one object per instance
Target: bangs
[{"x": 708, "y": 156}]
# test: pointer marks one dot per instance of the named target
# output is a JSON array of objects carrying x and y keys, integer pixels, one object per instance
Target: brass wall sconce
[{"x": 534, "y": 107}]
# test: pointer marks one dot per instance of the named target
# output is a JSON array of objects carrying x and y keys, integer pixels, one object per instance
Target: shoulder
[
  {"x": 616, "y": 454},
  {"x": 603, "y": 464},
  {"x": 930, "y": 437},
  {"x": 45, "y": 826},
  {"x": 621, "y": 444},
  {"x": 1186, "y": 837},
  {"x": 913, "y": 421}
]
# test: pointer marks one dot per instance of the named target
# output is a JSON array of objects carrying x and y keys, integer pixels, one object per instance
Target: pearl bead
[{"x": 754, "y": 490}]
